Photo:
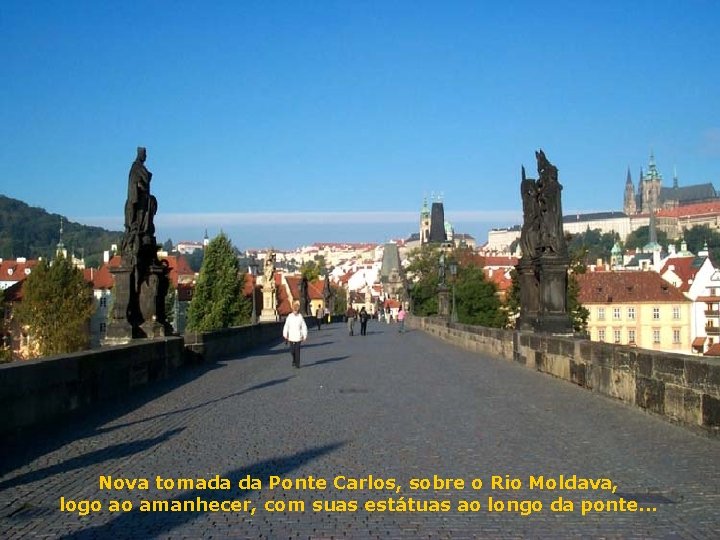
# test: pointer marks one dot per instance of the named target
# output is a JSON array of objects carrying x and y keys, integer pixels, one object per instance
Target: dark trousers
[
  {"x": 295, "y": 352},
  {"x": 363, "y": 327}
]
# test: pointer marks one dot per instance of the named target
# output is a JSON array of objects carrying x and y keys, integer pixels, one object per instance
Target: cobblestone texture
[{"x": 391, "y": 405}]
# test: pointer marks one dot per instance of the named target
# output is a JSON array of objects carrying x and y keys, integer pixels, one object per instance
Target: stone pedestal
[
  {"x": 152, "y": 302},
  {"x": 443, "y": 301},
  {"x": 528, "y": 281},
  {"x": 554, "y": 318},
  {"x": 269, "y": 312},
  {"x": 119, "y": 330}
]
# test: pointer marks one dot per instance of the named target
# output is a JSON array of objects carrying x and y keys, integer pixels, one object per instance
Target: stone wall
[
  {"x": 682, "y": 388},
  {"x": 36, "y": 391},
  {"x": 212, "y": 346}
]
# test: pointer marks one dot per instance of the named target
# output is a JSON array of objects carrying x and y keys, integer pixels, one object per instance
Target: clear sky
[{"x": 284, "y": 123}]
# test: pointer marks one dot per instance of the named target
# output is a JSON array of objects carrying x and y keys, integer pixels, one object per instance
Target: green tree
[
  {"x": 195, "y": 259},
  {"x": 312, "y": 269},
  {"x": 169, "y": 304},
  {"x": 422, "y": 272},
  {"x": 57, "y": 306},
  {"x": 512, "y": 300},
  {"x": 218, "y": 301},
  {"x": 340, "y": 300},
  {"x": 641, "y": 237},
  {"x": 477, "y": 299},
  {"x": 592, "y": 245},
  {"x": 700, "y": 235}
]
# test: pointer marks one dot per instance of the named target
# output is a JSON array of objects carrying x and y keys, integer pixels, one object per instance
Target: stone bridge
[{"x": 385, "y": 420}]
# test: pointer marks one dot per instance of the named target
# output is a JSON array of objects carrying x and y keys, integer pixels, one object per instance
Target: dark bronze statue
[
  {"x": 141, "y": 281},
  {"x": 552, "y": 238},
  {"x": 542, "y": 270}
]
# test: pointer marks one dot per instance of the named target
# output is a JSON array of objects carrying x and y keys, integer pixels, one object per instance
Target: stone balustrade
[{"x": 681, "y": 388}]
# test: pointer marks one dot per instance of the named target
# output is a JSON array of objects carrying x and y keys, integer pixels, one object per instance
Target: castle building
[{"x": 652, "y": 196}]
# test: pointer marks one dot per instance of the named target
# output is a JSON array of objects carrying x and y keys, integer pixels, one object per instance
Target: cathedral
[{"x": 652, "y": 196}]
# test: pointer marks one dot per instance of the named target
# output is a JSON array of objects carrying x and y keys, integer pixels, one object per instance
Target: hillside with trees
[{"x": 32, "y": 232}]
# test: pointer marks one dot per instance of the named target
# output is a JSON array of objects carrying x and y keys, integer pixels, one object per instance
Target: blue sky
[{"x": 284, "y": 123}]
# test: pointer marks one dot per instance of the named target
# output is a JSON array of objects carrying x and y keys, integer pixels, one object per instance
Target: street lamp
[
  {"x": 453, "y": 273},
  {"x": 253, "y": 267}
]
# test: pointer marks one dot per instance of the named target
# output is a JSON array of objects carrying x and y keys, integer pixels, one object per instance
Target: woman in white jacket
[{"x": 295, "y": 332}]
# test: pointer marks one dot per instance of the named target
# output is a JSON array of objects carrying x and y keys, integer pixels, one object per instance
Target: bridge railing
[
  {"x": 681, "y": 388},
  {"x": 43, "y": 390}
]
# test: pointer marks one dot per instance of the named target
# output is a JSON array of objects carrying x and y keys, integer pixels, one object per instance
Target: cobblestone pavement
[{"x": 386, "y": 405}]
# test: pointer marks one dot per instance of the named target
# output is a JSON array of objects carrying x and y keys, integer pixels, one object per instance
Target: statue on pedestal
[
  {"x": 141, "y": 280},
  {"x": 542, "y": 270},
  {"x": 269, "y": 311}
]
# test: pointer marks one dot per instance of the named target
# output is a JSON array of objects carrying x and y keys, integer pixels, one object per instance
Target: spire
[
  {"x": 629, "y": 178},
  {"x": 675, "y": 178},
  {"x": 653, "y": 173},
  {"x": 60, "y": 250}
]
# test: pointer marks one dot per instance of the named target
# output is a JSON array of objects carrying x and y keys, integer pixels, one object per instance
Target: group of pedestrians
[
  {"x": 295, "y": 330},
  {"x": 352, "y": 315}
]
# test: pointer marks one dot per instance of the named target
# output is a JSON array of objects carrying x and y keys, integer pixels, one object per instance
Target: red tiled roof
[
  {"x": 713, "y": 350},
  {"x": 684, "y": 269},
  {"x": 691, "y": 210},
  {"x": 12, "y": 270},
  {"x": 503, "y": 262},
  {"x": 630, "y": 286}
]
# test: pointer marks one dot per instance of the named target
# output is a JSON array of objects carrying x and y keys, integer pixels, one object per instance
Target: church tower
[
  {"x": 425, "y": 223},
  {"x": 629, "y": 206},
  {"x": 651, "y": 186}
]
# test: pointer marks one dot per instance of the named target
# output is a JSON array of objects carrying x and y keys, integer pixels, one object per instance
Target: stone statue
[
  {"x": 542, "y": 269},
  {"x": 304, "y": 297},
  {"x": 269, "y": 271},
  {"x": 530, "y": 233},
  {"x": 140, "y": 207},
  {"x": 141, "y": 281},
  {"x": 552, "y": 238},
  {"x": 441, "y": 269}
]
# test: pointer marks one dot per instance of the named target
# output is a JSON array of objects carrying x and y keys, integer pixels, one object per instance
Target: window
[
  {"x": 676, "y": 313},
  {"x": 631, "y": 313},
  {"x": 616, "y": 314},
  {"x": 601, "y": 334},
  {"x": 656, "y": 336},
  {"x": 103, "y": 327},
  {"x": 631, "y": 337},
  {"x": 601, "y": 314},
  {"x": 656, "y": 313},
  {"x": 617, "y": 334},
  {"x": 676, "y": 335},
  {"x": 103, "y": 301}
]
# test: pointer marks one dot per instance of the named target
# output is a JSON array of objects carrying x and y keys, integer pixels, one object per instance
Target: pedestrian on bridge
[
  {"x": 295, "y": 332},
  {"x": 401, "y": 319},
  {"x": 351, "y": 315},
  {"x": 364, "y": 316},
  {"x": 319, "y": 315}
]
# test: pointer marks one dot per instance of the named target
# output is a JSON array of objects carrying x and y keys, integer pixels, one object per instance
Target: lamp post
[
  {"x": 253, "y": 267},
  {"x": 453, "y": 273}
]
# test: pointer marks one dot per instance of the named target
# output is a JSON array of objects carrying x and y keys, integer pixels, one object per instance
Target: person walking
[
  {"x": 295, "y": 332},
  {"x": 364, "y": 316},
  {"x": 401, "y": 320},
  {"x": 351, "y": 315},
  {"x": 319, "y": 314}
]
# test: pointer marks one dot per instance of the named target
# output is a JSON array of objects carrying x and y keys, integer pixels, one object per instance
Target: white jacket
[{"x": 295, "y": 328}]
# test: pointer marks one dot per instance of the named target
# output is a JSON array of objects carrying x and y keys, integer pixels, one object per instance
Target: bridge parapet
[
  {"x": 43, "y": 390},
  {"x": 681, "y": 388}
]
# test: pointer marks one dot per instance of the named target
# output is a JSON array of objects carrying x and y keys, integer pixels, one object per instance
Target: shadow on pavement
[
  {"x": 22, "y": 447},
  {"x": 328, "y": 361},
  {"x": 153, "y": 524},
  {"x": 92, "y": 458}
]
